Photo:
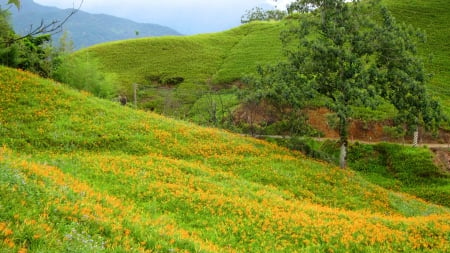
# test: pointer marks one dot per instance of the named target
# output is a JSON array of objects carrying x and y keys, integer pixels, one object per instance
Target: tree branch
[{"x": 51, "y": 28}]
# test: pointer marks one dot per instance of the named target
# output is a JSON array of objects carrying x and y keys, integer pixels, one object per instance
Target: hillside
[
  {"x": 226, "y": 57},
  {"x": 81, "y": 174},
  {"x": 218, "y": 57},
  {"x": 432, "y": 18},
  {"x": 204, "y": 62},
  {"x": 85, "y": 29}
]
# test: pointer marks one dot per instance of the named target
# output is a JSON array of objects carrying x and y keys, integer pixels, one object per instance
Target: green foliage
[
  {"x": 15, "y": 2},
  {"x": 325, "y": 151},
  {"x": 293, "y": 123},
  {"x": 404, "y": 163},
  {"x": 85, "y": 174},
  {"x": 259, "y": 14},
  {"x": 85, "y": 74},
  {"x": 214, "y": 109},
  {"x": 407, "y": 164},
  {"x": 230, "y": 55},
  {"x": 8, "y": 53},
  {"x": 201, "y": 62},
  {"x": 402, "y": 168},
  {"x": 431, "y": 18},
  {"x": 384, "y": 111},
  {"x": 395, "y": 167},
  {"x": 344, "y": 52},
  {"x": 274, "y": 85},
  {"x": 35, "y": 55},
  {"x": 32, "y": 53}
]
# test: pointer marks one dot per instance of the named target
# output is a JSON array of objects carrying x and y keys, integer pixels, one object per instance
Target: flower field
[{"x": 79, "y": 174}]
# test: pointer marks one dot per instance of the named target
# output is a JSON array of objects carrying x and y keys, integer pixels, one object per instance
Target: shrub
[
  {"x": 85, "y": 74},
  {"x": 365, "y": 158},
  {"x": 406, "y": 163},
  {"x": 162, "y": 79},
  {"x": 172, "y": 81}
]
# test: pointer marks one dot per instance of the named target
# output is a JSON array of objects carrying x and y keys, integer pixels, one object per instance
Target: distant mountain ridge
[{"x": 85, "y": 29}]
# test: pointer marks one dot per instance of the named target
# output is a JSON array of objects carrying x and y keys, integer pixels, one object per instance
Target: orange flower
[
  {"x": 9, "y": 243},
  {"x": 22, "y": 250},
  {"x": 7, "y": 232}
]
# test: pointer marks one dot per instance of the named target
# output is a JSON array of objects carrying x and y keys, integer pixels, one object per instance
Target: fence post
[
  {"x": 416, "y": 137},
  {"x": 135, "y": 85}
]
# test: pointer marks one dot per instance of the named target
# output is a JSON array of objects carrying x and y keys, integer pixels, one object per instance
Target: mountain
[{"x": 85, "y": 29}]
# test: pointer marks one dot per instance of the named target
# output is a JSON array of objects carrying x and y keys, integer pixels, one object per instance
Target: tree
[
  {"x": 259, "y": 14},
  {"x": 43, "y": 28},
  {"x": 6, "y": 54},
  {"x": 33, "y": 51},
  {"x": 15, "y": 2},
  {"x": 84, "y": 73},
  {"x": 353, "y": 54}
]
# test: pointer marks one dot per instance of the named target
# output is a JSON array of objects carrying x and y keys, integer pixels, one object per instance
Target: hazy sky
[{"x": 185, "y": 16}]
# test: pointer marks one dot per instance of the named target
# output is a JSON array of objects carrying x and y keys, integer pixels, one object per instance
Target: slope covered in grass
[
  {"x": 433, "y": 18},
  {"x": 80, "y": 174},
  {"x": 217, "y": 57},
  {"x": 230, "y": 55}
]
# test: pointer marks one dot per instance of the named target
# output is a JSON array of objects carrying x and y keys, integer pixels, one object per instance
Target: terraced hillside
[{"x": 79, "y": 174}]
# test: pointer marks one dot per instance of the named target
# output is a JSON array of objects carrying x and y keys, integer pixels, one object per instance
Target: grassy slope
[
  {"x": 228, "y": 56},
  {"x": 432, "y": 17},
  {"x": 81, "y": 174},
  {"x": 218, "y": 57}
]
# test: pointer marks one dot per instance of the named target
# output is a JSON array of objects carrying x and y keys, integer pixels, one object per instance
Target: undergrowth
[{"x": 392, "y": 166}]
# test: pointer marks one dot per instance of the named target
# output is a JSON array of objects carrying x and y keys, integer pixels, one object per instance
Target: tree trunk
[
  {"x": 416, "y": 137},
  {"x": 343, "y": 155},
  {"x": 343, "y": 134}
]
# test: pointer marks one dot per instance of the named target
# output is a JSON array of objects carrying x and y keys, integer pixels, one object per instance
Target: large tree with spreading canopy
[{"x": 353, "y": 53}]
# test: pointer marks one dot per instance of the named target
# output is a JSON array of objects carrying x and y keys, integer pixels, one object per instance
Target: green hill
[
  {"x": 219, "y": 57},
  {"x": 431, "y": 17},
  {"x": 222, "y": 58},
  {"x": 80, "y": 174},
  {"x": 204, "y": 62}
]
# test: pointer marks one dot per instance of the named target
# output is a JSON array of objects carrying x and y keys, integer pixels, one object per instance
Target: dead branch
[{"x": 51, "y": 28}]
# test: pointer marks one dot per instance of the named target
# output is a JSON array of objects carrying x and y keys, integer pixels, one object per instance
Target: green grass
[
  {"x": 80, "y": 174},
  {"x": 391, "y": 166},
  {"x": 226, "y": 57},
  {"x": 217, "y": 57},
  {"x": 214, "y": 60},
  {"x": 432, "y": 18}
]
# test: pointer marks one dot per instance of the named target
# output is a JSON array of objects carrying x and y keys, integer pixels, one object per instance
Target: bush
[
  {"x": 325, "y": 151},
  {"x": 406, "y": 163},
  {"x": 162, "y": 79},
  {"x": 365, "y": 158},
  {"x": 85, "y": 74},
  {"x": 172, "y": 81}
]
